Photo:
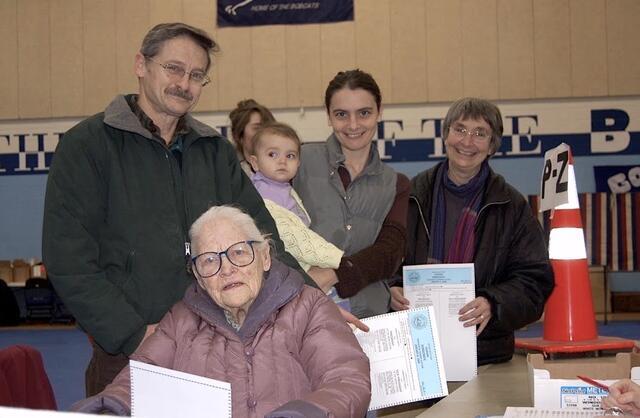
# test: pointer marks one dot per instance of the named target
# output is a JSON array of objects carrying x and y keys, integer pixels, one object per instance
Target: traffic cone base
[{"x": 597, "y": 344}]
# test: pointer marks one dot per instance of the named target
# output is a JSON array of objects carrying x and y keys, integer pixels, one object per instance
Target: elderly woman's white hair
[{"x": 230, "y": 214}]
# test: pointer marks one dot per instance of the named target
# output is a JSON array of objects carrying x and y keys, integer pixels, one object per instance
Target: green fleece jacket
[{"x": 118, "y": 208}]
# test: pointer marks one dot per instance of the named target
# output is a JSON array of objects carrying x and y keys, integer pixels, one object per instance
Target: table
[{"x": 496, "y": 387}]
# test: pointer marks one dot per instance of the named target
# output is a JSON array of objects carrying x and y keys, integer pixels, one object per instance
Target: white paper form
[
  {"x": 447, "y": 287},
  {"x": 405, "y": 357},
  {"x": 10, "y": 412},
  {"x": 157, "y": 392},
  {"x": 520, "y": 412}
]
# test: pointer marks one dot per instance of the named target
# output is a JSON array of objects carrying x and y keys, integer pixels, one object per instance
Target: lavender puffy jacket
[{"x": 293, "y": 357}]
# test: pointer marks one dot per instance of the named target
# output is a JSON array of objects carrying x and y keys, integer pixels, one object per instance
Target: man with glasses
[{"x": 124, "y": 187}]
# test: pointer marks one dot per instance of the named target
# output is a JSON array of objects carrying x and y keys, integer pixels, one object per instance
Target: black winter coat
[
  {"x": 511, "y": 259},
  {"x": 117, "y": 212}
]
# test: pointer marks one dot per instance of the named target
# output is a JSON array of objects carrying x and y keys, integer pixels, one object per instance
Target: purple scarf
[{"x": 463, "y": 243}]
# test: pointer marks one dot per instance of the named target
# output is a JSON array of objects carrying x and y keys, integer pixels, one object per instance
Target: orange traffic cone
[{"x": 569, "y": 319}]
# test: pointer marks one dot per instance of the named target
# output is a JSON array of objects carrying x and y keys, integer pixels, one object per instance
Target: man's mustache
[{"x": 177, "y": 91}]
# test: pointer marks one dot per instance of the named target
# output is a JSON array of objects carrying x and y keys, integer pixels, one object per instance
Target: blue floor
[{"x": 66, "y": 352}]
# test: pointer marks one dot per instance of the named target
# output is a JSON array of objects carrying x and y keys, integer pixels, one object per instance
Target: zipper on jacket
[
  {"x": 183, "y": 215},
  {"x": 503, "y": 202},
  {"x": 424, "y": 223},
  {"x": 185, "y": 198}
]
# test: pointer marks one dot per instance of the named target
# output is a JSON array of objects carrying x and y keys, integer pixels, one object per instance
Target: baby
[{"x": 275, "y": 158}]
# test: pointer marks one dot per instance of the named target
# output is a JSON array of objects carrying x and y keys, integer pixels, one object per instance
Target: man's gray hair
[
  {"x": 227, "y": 214},
  {"x": 159, "y": 34},
  {"x": 474, "y": 108}
]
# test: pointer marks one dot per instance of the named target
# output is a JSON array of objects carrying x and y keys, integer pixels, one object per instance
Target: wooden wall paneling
[
  {"x": 622, "y": 44},
  {"x": 34, "y": 59},
  {"x": 373, "y": 42},
  {"x": 303, "y": 66},
  {"x": 408, "y": 51},
  {"x": 99, "y": 45},
  {"x": 337, "y": 50},
  {"x": 132, "y": 24},
  {"x": 444, "y": 47},
  {"x": 9, "y": 50},
  {"x": 202, "y": 14},
  {"x": 480, "y": 48},
  {"x": 552, "y": 48},
  {"x": 67, "y": 73},
  {"x": 515, "y": 49},
  {"x": 234, "y": 66},
  {"x": 588, "y": 48},
  {"x": 269, "y": 69},
  {"x": 164, "y": 11}
]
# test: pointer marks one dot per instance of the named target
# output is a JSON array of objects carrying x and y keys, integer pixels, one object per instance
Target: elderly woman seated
[{"x": 250, "y": 320}]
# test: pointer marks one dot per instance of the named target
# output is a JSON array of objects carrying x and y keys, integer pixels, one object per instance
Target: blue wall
[{"x": 21, "y": 208}]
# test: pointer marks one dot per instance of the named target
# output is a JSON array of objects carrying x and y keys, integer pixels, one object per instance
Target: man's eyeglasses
[
  {"x": 239, "y": 254},
  {"x": 177, "y": 71},
  {"x": 479, "y": 135}
]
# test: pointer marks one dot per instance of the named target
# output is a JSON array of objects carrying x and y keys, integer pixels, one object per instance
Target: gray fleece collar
[
  {"x": 281, "y": 284},
  {"x": 336, "y": 157},
  {"x": 118, "y": 114}
]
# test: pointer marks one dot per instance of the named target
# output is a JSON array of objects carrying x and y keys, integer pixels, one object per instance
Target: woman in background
[{"x": 246, "y": 119}]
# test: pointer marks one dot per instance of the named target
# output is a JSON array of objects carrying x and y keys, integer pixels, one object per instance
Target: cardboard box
[
  {"x": 21, "y": 271},
  {"x": 554, "y": 385},
  {"x": 6, "y": 271}
]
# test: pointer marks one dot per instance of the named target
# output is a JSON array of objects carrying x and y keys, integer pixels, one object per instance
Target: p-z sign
[{"x": 554, "y": 189}]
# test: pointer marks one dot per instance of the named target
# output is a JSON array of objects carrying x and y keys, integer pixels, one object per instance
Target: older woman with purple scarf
[{"x": 460, "y": 211}]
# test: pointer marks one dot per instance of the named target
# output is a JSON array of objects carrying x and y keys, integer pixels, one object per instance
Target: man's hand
[
  {"x": 353, "y": 320},
  {"x": 325, "y": 278},
  {"x": 398, "y": 301},
  {"x": 476, "y": 312}
]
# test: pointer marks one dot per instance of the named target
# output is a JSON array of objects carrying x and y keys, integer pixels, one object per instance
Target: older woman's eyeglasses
[
  {"x": 239, "y": 254},
  {"x": 479, "y": 135},
  {"x": 177, "y": 71}
]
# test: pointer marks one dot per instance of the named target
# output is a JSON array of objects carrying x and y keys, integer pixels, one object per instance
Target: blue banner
[
  {"x": 424, "y": 149},
  {"x": 409, "y": 134},
  {"x": 617, "y": 178},
  {"x": 282, "y": 12}
]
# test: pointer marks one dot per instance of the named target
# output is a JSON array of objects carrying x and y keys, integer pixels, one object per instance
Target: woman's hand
[
  {"x": 353, "y": 320},
  {"x": 325, "y": 278},
  {"x": 476, "y": 312},
  {"x": 398, "y": 301},
  {"x": 623, "y": 394}
]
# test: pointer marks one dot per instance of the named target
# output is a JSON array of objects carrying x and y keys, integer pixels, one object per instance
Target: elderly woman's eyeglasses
[
  {"x": 239, "y": 254},
  {"x": 177, "y": 71},
  {"x": 479, "y": 135}
]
